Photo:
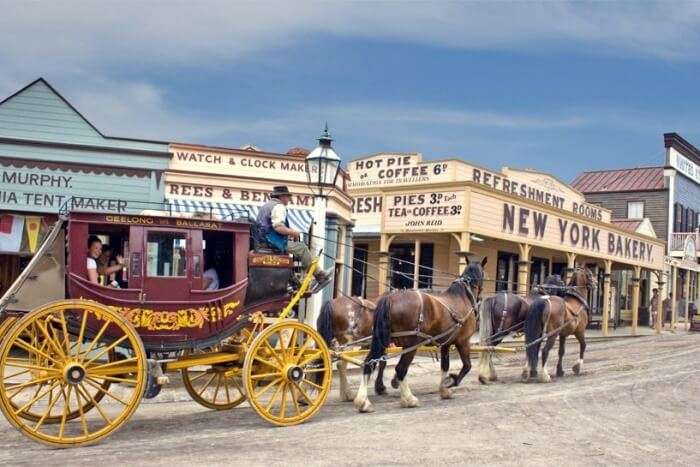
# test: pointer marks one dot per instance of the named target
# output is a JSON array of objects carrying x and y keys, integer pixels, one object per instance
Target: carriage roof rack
[{"x": 76, "y": 204}]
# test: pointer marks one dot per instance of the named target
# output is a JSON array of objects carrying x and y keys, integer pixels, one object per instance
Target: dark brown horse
[
  {"x": 409, "y": 317},
  {"x": 503, "y": 314},
  {"x": 562, "y": 317},
  {"x": 344, "y": 320}
]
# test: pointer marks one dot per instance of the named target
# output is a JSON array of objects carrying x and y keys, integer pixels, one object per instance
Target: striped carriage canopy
[{"x": 299, "y": 219}]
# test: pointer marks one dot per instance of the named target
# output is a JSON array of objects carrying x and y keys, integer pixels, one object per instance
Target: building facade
[
  {"x": 668, "y": 198},
  {"x": 234, "y": 183},
  {"x": 419, "y": 223},
  {"x": 51, "y": 155}
]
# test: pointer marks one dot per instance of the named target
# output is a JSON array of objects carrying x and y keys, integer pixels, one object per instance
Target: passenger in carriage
[
  {"x": 210, "y": 278},
  {"x": 95, "y": 269},
  {"x": 273, "y": 224}
]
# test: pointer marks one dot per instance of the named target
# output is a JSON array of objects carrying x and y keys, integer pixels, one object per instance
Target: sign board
[
  {"x": 499, "y": 218},
  {"x": 434, "y": 211},
  {"x": 384, "y": 170},
  {"x": 684, "y": 165},
  {"x": 36, "y": 189},
  {"x": 232, "y": 195},
  {"x": 240, "y": 164},
  {"x": 393, "y": 170}
]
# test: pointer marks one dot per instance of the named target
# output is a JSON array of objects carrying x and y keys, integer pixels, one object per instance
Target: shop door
[
  {"x": 166, "y": 272},
  {"x": 506, "y": 272},
  {"x": 402, "y": 257}
]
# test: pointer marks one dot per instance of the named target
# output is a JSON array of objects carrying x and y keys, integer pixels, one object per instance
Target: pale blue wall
[{"x": 37, "y": 125}]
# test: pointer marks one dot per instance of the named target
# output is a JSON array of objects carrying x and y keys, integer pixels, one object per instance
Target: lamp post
[{"x": 322, "y": 168}]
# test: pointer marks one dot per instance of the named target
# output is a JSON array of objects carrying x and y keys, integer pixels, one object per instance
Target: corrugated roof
[
  {"x": 635, "y": 179},
  {"x": 629, "y": 225}
]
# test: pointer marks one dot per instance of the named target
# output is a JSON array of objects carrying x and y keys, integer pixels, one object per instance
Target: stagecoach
[{"x": 77, "y": 358}]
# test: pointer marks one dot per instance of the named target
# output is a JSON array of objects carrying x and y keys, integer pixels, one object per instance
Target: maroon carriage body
[{"x": 162, "y": 292}]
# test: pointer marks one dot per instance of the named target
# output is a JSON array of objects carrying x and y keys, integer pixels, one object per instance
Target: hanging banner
[
  {"x": 33, "y": 224},
  {"x": 11, "y": 230}
]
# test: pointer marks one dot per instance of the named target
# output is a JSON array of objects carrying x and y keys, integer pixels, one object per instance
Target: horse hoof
[
  {"x": 576, "y": 368},
  {"x": 395, "y": 383},
  {"x": 410, "y": 402},
  {"x": 380, "y": 391},
  {"x": 483, "y": 379},
  {"x": 347, "y": 396},
  {"x": 364, "y": 406},
  {"x": 544, "y": 378},
  {"x": 493, "y": 378},
  {"x": 525, "y": 376},
  {"x": 560, "y": 373},
  {"x": 445, "y": 393}
]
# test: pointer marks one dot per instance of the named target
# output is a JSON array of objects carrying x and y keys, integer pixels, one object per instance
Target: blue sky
[{"x": 562, "y": 87}]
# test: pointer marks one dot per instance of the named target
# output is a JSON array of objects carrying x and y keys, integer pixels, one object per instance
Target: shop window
[
  {"x": 425, "y": 273},
  {"x": 678, "y": 217},
  {"x": 402, "y": 258},
  {"x": 539, "y": 270},
  {"x": 635, "y": 209},
  {"x": 218, "y": 254},
  {"x": 167, "y": 254},
  {"x": 359, "y": 270}
]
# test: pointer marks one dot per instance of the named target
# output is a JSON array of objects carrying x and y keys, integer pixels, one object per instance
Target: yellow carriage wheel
[
  {"x": 287, "y": 373},
  {"x": 35, "y": 338},
  {"x": 67, "y": 370},
  {"x": 217, "y": 387}
]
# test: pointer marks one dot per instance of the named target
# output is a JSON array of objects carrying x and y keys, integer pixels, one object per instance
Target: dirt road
[{"x": 637, "y": 402}]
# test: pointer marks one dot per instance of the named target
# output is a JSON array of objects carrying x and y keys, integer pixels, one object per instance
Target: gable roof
[
  {"x": 39, "y": 113},
  {"x": 634, "y": 179}
]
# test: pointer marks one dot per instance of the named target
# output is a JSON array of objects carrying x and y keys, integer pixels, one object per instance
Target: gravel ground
[{"x": 636, "y": 402}]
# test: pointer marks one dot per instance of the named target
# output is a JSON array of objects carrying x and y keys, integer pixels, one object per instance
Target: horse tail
[
  {"x": 534, "y": 324},
  {"x": 381, "y": 332},
  {"x": 324, "y": 323},
  {"x": 485, "y": 323}
]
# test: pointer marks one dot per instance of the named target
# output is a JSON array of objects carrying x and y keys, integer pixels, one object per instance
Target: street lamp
[{"x": 322, "y": 168}]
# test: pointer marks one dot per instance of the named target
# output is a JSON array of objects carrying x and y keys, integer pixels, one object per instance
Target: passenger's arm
[{"x": 278, "y": 216}]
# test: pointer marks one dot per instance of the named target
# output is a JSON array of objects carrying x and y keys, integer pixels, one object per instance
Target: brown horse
[
  {"x": 558, "y": 316},
  {"x": 344, "y": 320},
  {"x": 503, "y": 314},
  {"x": 410, "y": 317}
]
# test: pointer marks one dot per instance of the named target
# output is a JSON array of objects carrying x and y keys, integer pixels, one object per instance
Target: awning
[{"x": 299, "y": 219}]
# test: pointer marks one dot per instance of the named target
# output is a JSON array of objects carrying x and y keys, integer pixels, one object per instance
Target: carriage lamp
[{"x": 323, "y": 166}]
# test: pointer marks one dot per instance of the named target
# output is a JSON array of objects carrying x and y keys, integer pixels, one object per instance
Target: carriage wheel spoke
[
  {"x": 203, "y": 373},
  {"x": 33, "y": 382},
  {"x": 315, "y": 370},
  {"x": 320, "y": 388},
  {"x": 218, "y": 386},
  {"x": 35, "y": 398},
  {"x": 83, "y": 421},
  {"x": 271, "y": 402},
  {"x": 291, "y": 348},
  {"x": 49, "y": 339},
  {"x": 21, "y": 363},
  {"x": 66, "y": 336},
  {"x": 115, "y": 379},
  {"x": 33, "y": 350},
  {"x": 52, "y": 403},
  {"x": 283, "y": 404},
  {"x": 208, "y": 383},
  {"x": 86, "y": 394},
  {"x": 267, "y": 362},
  {"x": 273, "y": 352},
  {"x": 311, "y": 358},
  {"x": 107, "y": 349},
  {"x": 95, "y": 340},
  {"x": 294, "y": 399},
  {"x": 304, "y": 394},
  {"x": 66, "y": 410},
  {"x": 95, "y": 370},
  {"x": 16, "y": 374},
  {"x": 228, "y": 397},
  {"x": 265, "y": 375},
  {"x": 106, "y": 392},
  {"x": 301, "y": 350},
  {"x": 81, "y": 333},
  {"x": 268, "y": 386}
]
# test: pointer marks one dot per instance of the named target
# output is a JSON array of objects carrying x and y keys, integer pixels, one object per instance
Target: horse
[
  {"x": 506, "y": 312},
  {"x": 562, "y": 317},
  {"x": 344, "y": 320},
  {"x": 412, "y": 318}
]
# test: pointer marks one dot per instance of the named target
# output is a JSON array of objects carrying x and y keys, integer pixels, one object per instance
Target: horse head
[
  {"x": 583, "y": 277},
  {"x": 473, "y": 277}
]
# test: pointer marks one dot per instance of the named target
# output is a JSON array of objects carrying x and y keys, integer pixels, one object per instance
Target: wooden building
[{"x": 414, "y": 219}]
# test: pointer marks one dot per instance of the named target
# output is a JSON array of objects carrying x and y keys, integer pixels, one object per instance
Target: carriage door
[{"x": 166, "y": 271}]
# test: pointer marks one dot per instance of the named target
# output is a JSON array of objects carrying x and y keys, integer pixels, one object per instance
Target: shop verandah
[{"x": 623, "y": 301}]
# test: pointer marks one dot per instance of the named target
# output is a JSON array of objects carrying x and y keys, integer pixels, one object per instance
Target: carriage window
[{"x": 166, "y": 254}]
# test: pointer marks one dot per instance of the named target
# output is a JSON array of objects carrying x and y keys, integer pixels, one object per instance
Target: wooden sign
[{"x": 430, "y": 211}]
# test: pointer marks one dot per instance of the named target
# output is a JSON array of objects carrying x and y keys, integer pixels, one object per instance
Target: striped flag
[{"x": 11, "y": 230}]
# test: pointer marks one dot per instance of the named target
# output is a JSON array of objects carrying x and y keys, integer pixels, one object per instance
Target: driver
[{"x": 273, "y": 224}]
